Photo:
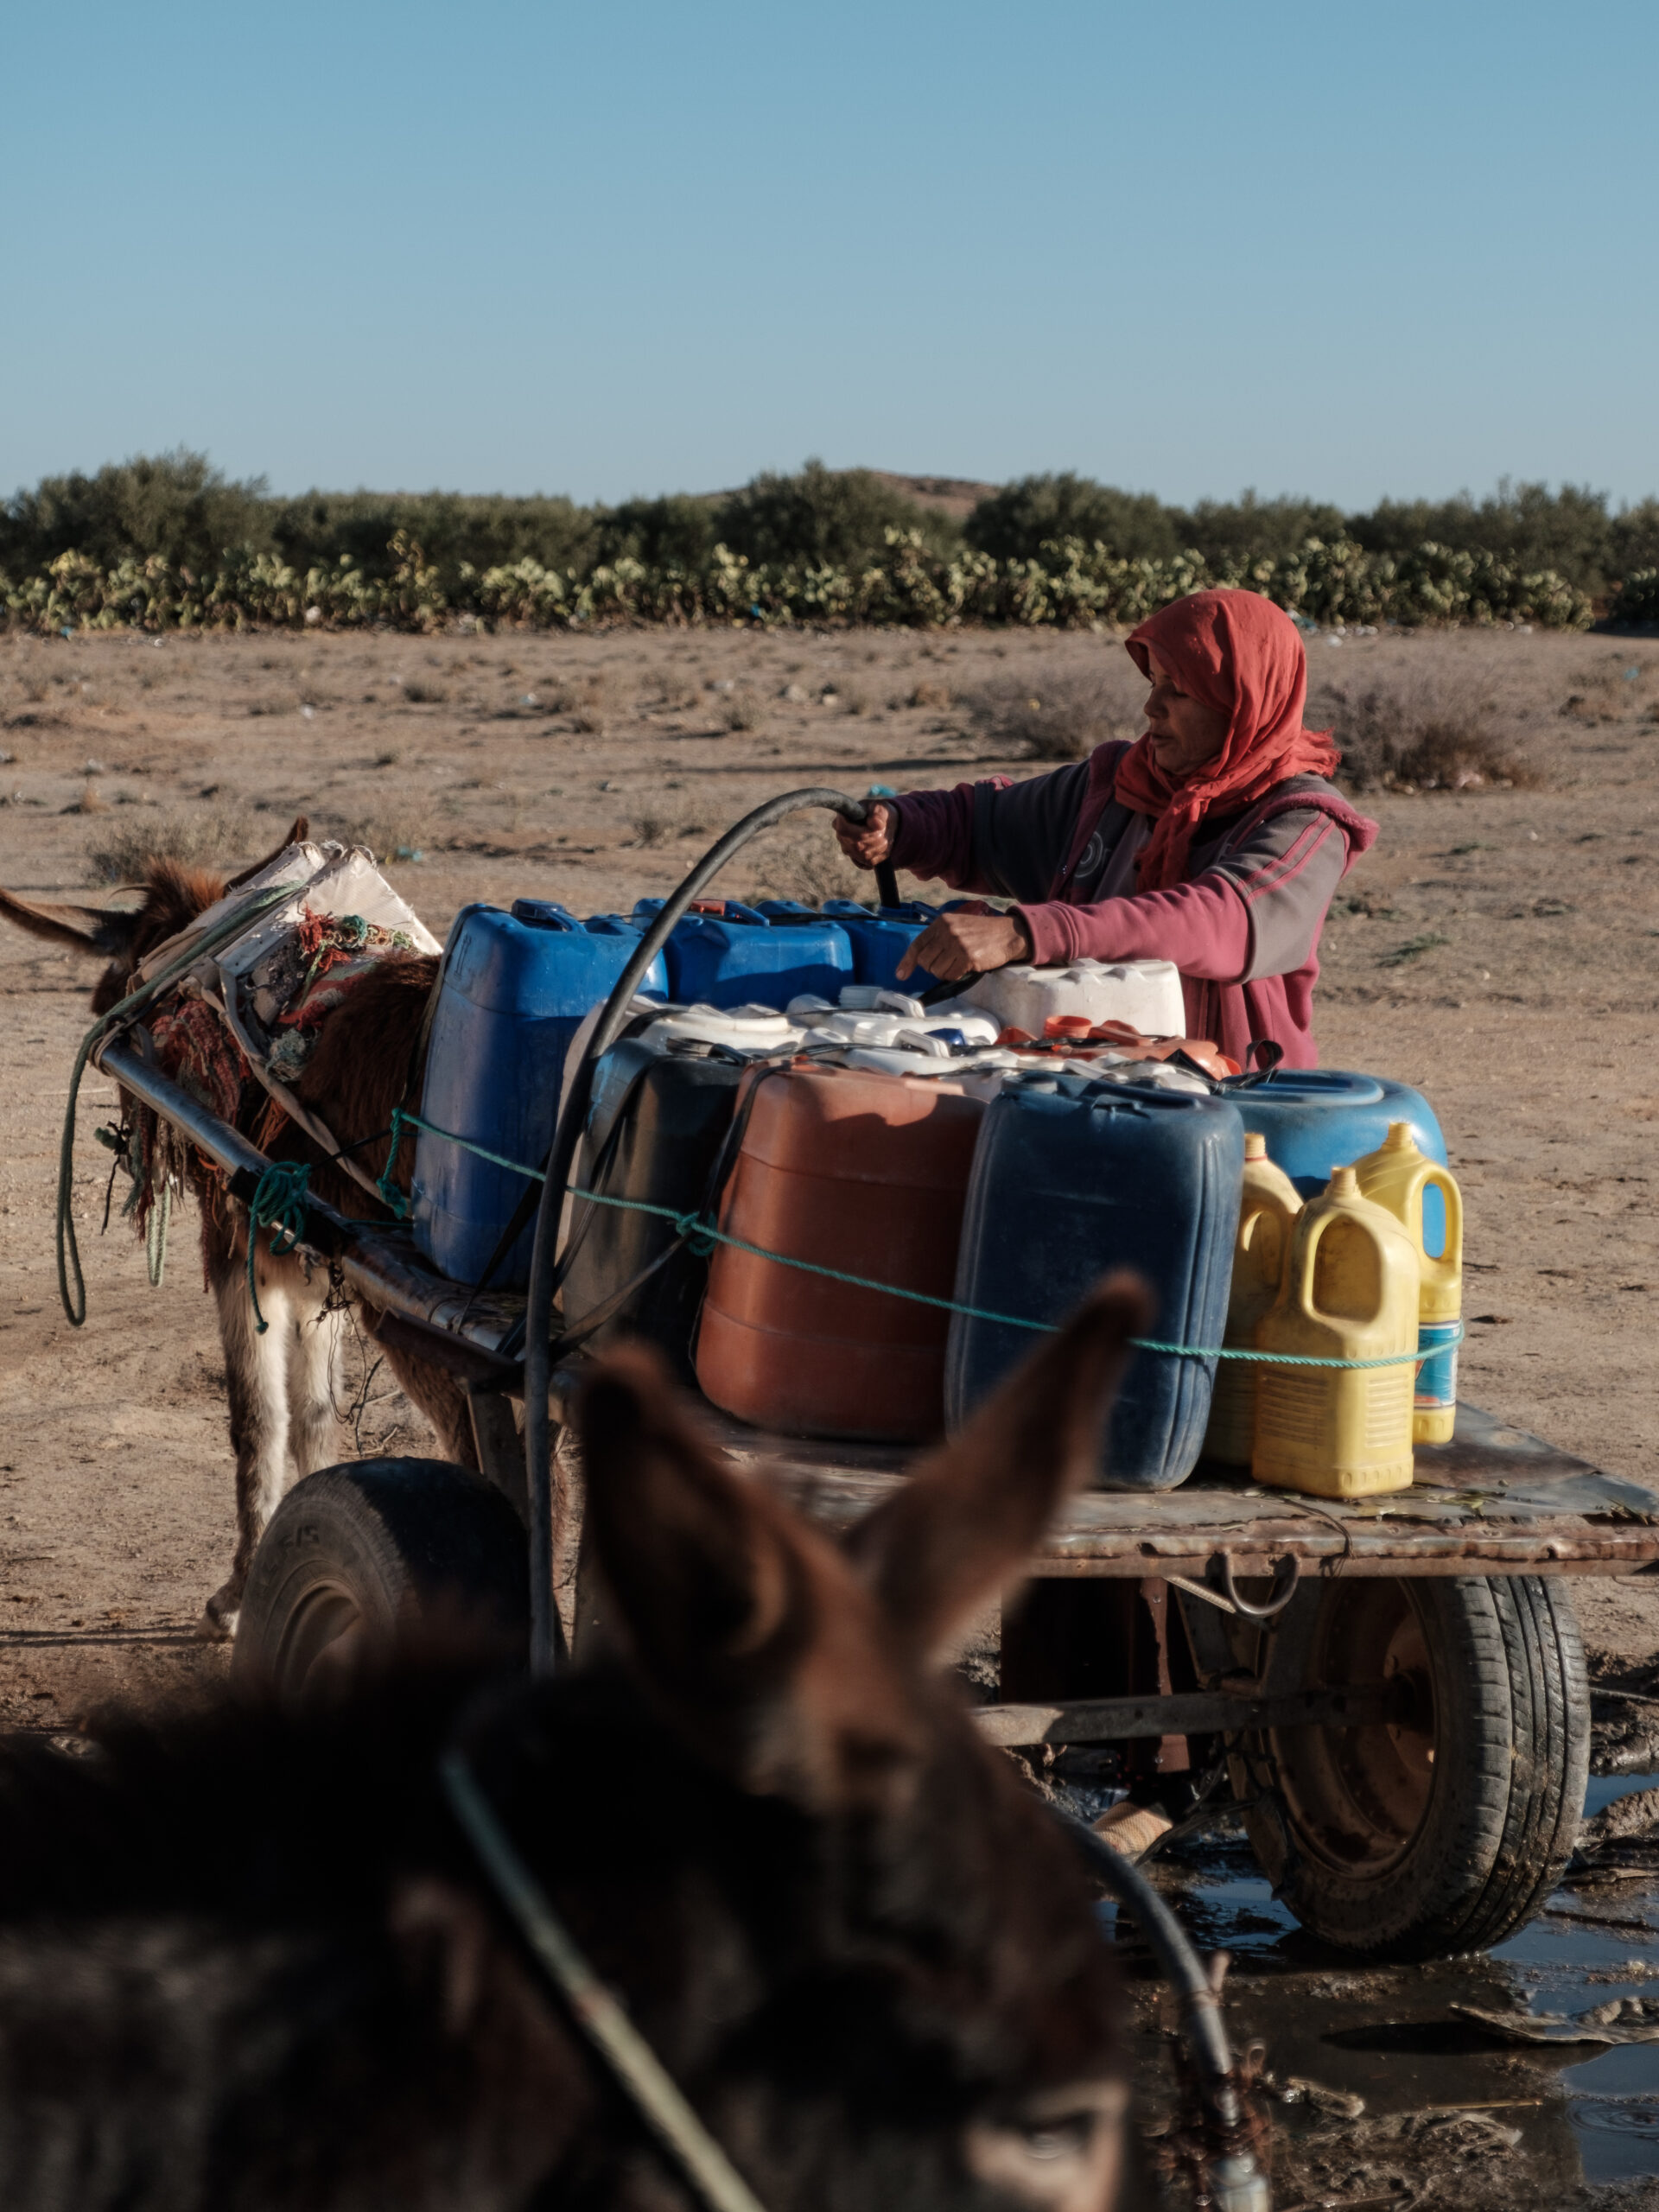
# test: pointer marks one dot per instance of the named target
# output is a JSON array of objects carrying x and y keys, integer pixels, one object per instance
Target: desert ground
[{"x": 1499, "y": 948}]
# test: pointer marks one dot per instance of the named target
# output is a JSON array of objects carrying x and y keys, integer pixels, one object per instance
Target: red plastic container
[{"x": 861, "y": 1171}]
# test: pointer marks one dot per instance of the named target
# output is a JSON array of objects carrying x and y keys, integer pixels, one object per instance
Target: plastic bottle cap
[
  {"x": 1256, "y": 1145},
  {"x": 1344, "y": 1184}
]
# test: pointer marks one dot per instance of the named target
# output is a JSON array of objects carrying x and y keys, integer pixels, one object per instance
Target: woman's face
[{"x": 1183, "y": 732}]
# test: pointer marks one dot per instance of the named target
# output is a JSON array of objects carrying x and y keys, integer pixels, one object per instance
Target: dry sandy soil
[{"x": 1499, "y": 948}]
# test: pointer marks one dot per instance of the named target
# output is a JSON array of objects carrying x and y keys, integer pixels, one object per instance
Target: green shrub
[
  {"x": 1527, "y": 527},
  {"x": 816, "y": 544},
  {"x": 1014, "y": 523},
  {"x": 906, "y": 583},
  {"x": 1232, "y": 533},
  {"x": 454, "y": 529},
  {"x": 676, "y": 532},
  {"x": 1638, "y": 598},
  {"x": 822, "y": 517},
  {"x": 173, "y": 507}
]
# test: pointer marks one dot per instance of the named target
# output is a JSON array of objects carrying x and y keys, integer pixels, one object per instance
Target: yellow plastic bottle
[
  {"x": 1402, "y": 1178},
  {"x": 1350, "y": 1292},
  {"x": 1270, "y": 1206}
]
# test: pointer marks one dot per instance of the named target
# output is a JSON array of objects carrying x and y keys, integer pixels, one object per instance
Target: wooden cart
[{"x": 1391, "y": 1691}]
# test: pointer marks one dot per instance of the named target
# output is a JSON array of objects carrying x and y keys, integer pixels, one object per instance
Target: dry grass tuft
[
  {"x": 1419, "y": 727},
  {"x": 661, "y": 821},
  {"x": 395, "y": 833},
  {"x": 197, "y": 837},
  {"x": 802, "y": 860},
  {"x": 739, "y": 709},
  {"x": 593, "y": 702},
  {"x": 1060, "y": 711}
]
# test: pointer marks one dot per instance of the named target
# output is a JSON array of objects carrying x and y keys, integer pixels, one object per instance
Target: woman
[{"x": 1215, "y": 840}]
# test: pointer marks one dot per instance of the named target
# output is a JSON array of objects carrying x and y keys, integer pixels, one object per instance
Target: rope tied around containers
[{"x": 701, "y": 1235}]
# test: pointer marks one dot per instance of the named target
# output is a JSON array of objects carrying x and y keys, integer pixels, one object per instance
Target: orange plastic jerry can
[{"x": 864, "y": 1174}]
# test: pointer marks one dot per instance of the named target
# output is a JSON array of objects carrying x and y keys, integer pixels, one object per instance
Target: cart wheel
[
  {"x": 1442, "y": 1829},
  {"x": 357, "y": 1552}
]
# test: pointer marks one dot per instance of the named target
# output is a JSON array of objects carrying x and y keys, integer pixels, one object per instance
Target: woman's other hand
[
  {"x": 955, "y": 945},
  {"x": 866, "y": 844}
]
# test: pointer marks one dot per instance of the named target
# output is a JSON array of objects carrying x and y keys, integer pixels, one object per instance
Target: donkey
[
  {"x": 855, "y": 1939},
  {"x": 281, "y": 1387}
]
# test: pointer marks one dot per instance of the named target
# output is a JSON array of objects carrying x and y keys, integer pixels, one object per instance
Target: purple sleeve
[
  {"x": 935, "y": 835},
  {"x": 1203, "y": 926}
]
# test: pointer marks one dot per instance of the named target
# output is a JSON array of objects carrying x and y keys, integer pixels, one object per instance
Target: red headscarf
[{"x": 1238, "y": 654}]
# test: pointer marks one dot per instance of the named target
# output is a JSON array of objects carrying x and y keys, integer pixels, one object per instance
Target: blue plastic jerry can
[
  {"x": 1316, "y": 1119},
  {"x": 724, "y": 954},
  {"x": 880, "y": 936},
  {"x": 514, "y": 990},
  {"x": 1072, "y": 1180}
]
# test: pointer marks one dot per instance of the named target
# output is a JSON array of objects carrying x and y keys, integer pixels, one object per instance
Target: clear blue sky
[{"x": 617, "y": 248}]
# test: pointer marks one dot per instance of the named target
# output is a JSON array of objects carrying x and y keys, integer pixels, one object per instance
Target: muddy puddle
[{"x": 1381, "y": 2090}]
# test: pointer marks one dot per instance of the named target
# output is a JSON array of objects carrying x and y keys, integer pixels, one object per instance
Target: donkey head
[
  {"x": 852, "y": 1932},
  {"x": 125, "y": 936}
]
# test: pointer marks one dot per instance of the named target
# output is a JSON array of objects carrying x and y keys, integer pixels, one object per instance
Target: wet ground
[{"x": 1379, "y": 2090}]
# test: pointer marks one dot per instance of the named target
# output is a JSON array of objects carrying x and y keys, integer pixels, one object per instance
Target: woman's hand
[
  {"x": 955, "y": 945},
  {"x": 868, "y": 842}
]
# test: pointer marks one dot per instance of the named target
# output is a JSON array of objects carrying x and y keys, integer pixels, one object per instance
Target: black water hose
[
  {"x": 545, "y": 1637},
  {"x": 1236, "y": 2179}
]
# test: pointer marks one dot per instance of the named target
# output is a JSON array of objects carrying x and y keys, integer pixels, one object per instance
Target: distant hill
[
  {"x": 956, "y": 496},
  {"x": 950, "y": 495}
]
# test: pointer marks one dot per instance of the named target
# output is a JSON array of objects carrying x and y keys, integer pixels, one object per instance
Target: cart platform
[{"x": 1496, "y": 1500}]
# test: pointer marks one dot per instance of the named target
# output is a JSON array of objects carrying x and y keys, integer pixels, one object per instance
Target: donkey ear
[
  {"x": 296, "y": 836},
  {"x": 749, "y": 1630},
  {"x": 963, "y": 1527},
  {"x": 101, "y": 932}
]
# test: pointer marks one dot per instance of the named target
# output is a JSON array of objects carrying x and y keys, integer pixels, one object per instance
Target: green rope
[
  {"x": 393, "y": 1198},
  {"x": 703, "y": 1237},
  {"x": 74, "y": 1299},
  {"x": 277, "y": 1204}
]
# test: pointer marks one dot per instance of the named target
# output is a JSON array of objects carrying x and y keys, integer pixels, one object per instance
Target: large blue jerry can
[
  {"x": 515, "y": 987},
  {"x": 1071, "y": 1180}
]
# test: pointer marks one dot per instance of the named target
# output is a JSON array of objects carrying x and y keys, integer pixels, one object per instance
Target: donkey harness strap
[{"x": 637, "y": 2070}]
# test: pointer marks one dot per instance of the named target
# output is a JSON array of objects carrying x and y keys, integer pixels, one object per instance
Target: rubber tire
[
  {"x": 399, "y": 1543},
  {"x": 1507, "y": 1719}
]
